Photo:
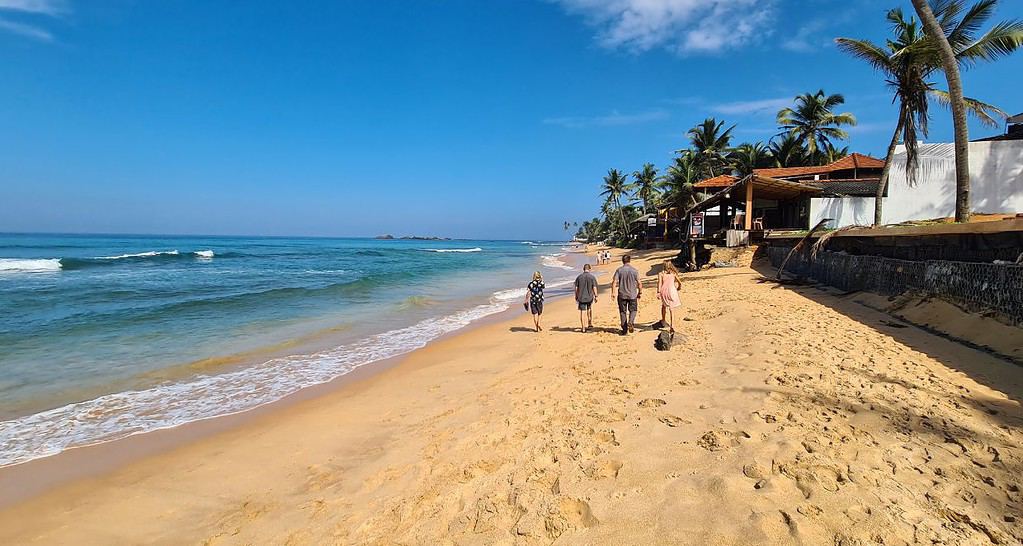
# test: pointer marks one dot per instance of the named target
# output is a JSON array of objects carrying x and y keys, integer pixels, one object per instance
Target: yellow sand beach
[{"x": 788, "y": 415}]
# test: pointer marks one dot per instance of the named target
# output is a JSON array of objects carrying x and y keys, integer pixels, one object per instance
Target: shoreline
[
  {"x": 36, "y": 476},
  {"x": 772, "y": 421}
]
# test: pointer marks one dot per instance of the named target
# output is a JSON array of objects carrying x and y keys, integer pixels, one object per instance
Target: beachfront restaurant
[{"x": 746, "y": 209}]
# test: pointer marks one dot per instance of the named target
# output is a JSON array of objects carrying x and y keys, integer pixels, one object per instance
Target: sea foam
[
  {"x": 149, "y": 254},
  {"x": 477, "y": 249},
  {"x": 123, "y": 414},
  {"x": 29, "y": 265}
]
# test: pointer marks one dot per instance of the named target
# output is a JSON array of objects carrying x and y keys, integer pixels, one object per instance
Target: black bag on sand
[{"x": 664, "y": 341}]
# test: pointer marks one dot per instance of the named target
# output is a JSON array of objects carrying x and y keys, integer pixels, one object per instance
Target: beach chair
[{"x": 738, "y": 221}]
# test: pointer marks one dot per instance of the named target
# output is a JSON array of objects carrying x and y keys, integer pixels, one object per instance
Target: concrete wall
[
  {"x": 996, "y": 181},
  {"x": 845, "y": 211},
  {"x": 996, "y": 186}
]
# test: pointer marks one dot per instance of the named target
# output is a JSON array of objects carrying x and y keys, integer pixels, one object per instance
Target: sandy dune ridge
[{"x": 788, "y": 416}]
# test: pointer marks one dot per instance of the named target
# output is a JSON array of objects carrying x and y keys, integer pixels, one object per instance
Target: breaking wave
[{"x": 19, "y": 265}]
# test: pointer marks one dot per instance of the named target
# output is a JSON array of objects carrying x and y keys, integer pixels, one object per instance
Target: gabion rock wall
[{"x": 998, "y": 287}]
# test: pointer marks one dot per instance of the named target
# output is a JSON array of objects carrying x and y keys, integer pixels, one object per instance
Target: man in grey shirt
[
  {"x": 626, "y": 284},
  {"x": 586, "y": 296}
]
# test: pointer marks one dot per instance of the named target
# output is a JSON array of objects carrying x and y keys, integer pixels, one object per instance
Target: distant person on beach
[
  {"x": 534, "y": 298},
  {"x": 668, "y": 285},
  {"x": 586, "y": 296},
  {"x": 625, "y": 287}
]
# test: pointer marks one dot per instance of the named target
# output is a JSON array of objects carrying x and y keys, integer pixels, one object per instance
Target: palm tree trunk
[
  {"x": 955, "y": 91},
  {"x": 621, "y": 214},
  {"x": 882, "y": 184}
]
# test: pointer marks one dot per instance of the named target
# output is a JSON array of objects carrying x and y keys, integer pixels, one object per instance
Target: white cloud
[
  {"x": 806, "y": 39},
  {"x": 680, "y": 26},
  {"x": 31, "y": 9},
  {"x": 613, "y": 119},
  {"x": 47, "y": 7},
  {"x": 770, "y": 106},
  {"x": 29, "y": 31}
]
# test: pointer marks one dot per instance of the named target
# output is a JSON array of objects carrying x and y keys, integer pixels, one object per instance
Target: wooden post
[{"x": 749, "y": 205}]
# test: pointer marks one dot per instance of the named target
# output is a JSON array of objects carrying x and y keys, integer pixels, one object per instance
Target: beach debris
[
  {"x": 664, "y": 341},
  {"x": 800, "y": 246}
]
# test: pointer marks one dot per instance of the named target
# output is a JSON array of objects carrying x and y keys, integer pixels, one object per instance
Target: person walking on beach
[
  {"x": 534, "y": 298},
  {"x": 668, "y": 285},
  {"x": 586, "y": 296},
  {"x": 627, "y": 286}
]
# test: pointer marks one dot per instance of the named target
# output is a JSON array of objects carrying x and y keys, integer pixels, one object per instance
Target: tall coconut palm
[
  {"x": 645, "y": 185},
  {"x": 615, "y": 185},
  {"x": 710, "y": 144},
  {"x": 950, "y": 65},
  {"x": 746, "y": 157},
  {"x": 909, "y": 59},
  {"x": 787, "y": 151},
  {"x": 814, "y": 123},
  {"x": 678, "y": 183}
]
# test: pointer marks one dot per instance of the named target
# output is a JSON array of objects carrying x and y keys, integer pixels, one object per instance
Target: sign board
[
  {"x": 651, "y": 222},
  {"x": 696, "y": 226}
]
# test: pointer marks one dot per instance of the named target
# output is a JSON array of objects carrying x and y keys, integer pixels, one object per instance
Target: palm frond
[
  {"x": 1003, "y": 38},
  {"x": 985, "y": 113},
  {"x": 868, "y": 51}
]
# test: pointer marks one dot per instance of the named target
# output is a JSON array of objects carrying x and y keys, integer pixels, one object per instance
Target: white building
[{"x": 996, "y": 185}]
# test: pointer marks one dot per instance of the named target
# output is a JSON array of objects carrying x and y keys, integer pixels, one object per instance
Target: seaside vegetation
[
  {"x": 807, "y": 137},
  {"x": 811, "y": 131}
]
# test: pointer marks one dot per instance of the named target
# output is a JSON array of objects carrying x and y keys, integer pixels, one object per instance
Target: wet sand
[{"x": 787, "y": 415}]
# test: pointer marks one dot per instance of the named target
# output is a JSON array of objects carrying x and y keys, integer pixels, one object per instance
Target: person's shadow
[
  {"x": 522, "y": 329},
  {"x": 588, "y": 330}
]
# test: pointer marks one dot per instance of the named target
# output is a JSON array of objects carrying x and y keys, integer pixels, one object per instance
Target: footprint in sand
[
  {"x": 651, "y": 403},
  {"x": 674, "y": 421},
  {"x": 718, "y": 440}
]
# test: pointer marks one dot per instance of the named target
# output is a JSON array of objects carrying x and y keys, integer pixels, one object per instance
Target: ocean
[{"x": 102, "y": 337}]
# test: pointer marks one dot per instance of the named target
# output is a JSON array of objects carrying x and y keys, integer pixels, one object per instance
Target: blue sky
[{"x": 450, "y": 117}]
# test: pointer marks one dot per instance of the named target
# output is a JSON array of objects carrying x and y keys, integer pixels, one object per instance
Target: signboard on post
[
  {"x": 696, "y": 226},
  {"x": 651, "y": 222}
]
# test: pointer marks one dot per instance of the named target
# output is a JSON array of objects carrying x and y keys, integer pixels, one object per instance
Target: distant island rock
[{"x": 411, "y": 238}]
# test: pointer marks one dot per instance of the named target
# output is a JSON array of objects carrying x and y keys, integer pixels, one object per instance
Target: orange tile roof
[
  {"x": 720, "y": 181},
  {"x": 851, "y": 161}
]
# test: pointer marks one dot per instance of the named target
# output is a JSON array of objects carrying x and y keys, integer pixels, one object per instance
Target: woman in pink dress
[{"x": 668, "y": 285}]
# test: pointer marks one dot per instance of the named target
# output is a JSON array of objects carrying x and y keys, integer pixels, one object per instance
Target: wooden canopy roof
[{"x": 763, "y": 188}]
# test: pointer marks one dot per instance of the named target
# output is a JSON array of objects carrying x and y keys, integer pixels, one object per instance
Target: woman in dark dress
[{"x": 534, "y": 298}]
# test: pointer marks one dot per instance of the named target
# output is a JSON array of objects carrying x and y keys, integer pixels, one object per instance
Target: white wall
[
  {"x": 996, "y": 186},
  {"x": 844, "y": 211},
  {"x": 996, "y": 181}
]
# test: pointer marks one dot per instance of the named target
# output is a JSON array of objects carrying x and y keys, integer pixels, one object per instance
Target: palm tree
[
  {"x": 645, "y": 186},
  {"x": 711, "y": 146},
  {"x": 814, "y": 123},
  {"x": 787, "y": 151},
  {"x": 909, "y": 60},
  {"x": 746, "y": 157},
  {"x": 833, "y": 154},
  {"x": 615, "y": 186},
  {"x": 950, "y": 65},
  {"x": 678, "y": 185}
]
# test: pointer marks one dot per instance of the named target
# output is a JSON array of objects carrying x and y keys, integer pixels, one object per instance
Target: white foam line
[
  {"x": 149, "y": 254},
  {"x": 124, "y": 414},
  {"x": 29, "y": 265}
]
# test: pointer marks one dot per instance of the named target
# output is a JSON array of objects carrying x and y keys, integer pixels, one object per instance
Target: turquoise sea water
[{"x": 106, "y": 336}]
